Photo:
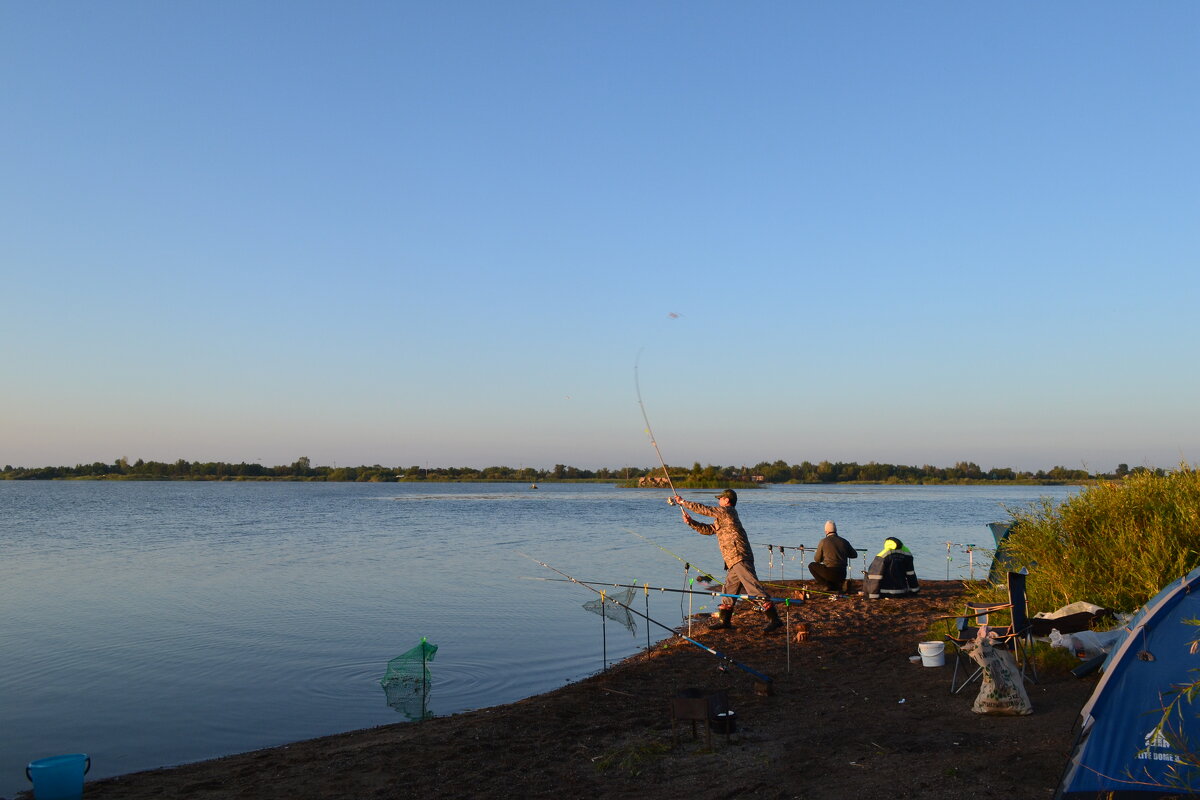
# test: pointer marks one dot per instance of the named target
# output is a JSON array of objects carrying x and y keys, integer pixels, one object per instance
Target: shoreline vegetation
[
  {"x": 696, "y": 477},
  {"x": 1114, "y": 544}
]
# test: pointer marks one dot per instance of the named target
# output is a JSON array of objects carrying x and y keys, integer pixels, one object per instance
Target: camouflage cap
[{"x": 730, "y": 493}]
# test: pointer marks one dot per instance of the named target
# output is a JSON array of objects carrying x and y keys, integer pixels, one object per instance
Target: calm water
[{"x": 150, "y": 624}]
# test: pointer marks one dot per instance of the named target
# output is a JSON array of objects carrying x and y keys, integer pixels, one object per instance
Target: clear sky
[{"x": 442, "y": 232}]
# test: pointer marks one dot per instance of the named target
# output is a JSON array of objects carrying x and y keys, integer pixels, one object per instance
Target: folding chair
[{"x": 1016, "y": 637}]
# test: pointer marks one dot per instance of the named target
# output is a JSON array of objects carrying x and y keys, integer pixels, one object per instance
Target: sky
[{"x": 472, "y": 233}]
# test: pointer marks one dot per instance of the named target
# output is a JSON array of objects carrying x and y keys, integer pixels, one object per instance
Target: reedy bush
[{"x": 1115, "y": 544}]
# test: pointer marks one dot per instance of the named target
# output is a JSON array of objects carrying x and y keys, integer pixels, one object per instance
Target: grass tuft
[{"x": 633, "y": 758}]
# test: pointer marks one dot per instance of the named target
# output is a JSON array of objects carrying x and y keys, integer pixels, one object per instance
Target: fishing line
[
  {"x": 687, "y": 579},
  {"x": 686, "y": 564},
  {"x": 760, "y": 676}
]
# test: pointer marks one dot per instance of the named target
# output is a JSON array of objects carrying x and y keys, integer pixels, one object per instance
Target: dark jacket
[
  {"x": 891, "y": 575},
  {"x": 834, "y": 551}
]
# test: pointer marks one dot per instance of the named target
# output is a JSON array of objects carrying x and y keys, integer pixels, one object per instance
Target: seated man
[
  {"x": 891, "y": 574},
  {"x": 830, "y": 560}
]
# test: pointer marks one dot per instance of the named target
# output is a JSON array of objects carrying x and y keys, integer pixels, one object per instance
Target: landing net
[{"x": 407, "y": 682}]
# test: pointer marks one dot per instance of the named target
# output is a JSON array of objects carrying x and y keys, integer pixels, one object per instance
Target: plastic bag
[
  {"x": 1095, "y": 643},
  {"x": 1065, "y": 641},
  {"x": 1002, "y": 692},
  {"x": 1081, "y": 606}
]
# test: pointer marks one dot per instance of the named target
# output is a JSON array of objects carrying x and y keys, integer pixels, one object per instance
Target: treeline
[
  {"x": 763, "y": 472},
  {"x": 299, "y": 470},
  {"x": 874, "y": 472}
]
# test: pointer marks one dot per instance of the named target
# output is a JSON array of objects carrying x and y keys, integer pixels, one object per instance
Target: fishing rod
[
  {"x": 804, "y": 549},
  {"x": 708, "y": 576},
  {"x": 760, "y": 676},
  {"x": 648, "y": 588},
  {"x": 803, "y": 589},
  {"x": 687, "y": 581},
  {"x": 637, "y": 385},
  {"x": 797, "y": 546}
]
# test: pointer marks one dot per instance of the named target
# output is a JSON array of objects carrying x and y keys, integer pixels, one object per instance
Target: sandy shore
[{"x": 848, "y": 714}]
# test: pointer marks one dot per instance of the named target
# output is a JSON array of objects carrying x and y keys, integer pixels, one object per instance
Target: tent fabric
[
  {"x": 1137, "y": 729},
  {"x": 1002, "y": 562}
]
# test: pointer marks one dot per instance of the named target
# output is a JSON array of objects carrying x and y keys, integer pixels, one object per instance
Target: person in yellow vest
[{"x": 892, "y": 573}]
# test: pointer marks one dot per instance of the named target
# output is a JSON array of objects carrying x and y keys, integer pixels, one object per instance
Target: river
[{"x": 150, "y": 624}]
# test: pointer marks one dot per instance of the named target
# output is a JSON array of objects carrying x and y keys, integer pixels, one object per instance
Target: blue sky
[{"x": 446, "y": 233}]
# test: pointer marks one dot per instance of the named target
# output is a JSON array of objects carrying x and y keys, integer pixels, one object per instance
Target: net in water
[{"x": 406, "y": 683}]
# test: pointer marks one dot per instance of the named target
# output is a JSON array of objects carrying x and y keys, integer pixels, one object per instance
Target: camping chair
[{"x": 1016, "y": 637}]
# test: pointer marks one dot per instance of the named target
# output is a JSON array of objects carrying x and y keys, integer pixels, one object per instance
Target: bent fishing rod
[
  {"x": 637, "y": 385},
  {"x": 760, "y": 676}
]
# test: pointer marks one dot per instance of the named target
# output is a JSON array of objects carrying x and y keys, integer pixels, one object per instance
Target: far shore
[{"x": 620, "y": 484}]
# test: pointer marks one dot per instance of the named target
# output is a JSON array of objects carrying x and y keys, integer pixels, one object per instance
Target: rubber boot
[
  {"x": 774, "y": 623},
  {"x": 724, "y": 619}
]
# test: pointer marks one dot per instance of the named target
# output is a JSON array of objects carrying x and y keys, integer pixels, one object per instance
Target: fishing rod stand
[
  {"x": 967, "y": 548},
  {"x": 686, "y": 567}
]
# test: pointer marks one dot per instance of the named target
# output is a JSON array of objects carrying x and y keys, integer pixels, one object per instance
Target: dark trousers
[{"x": 831, "y": 577}]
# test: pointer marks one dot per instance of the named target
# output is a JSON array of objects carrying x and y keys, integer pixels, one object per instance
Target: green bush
[{"x": 1115, "y": 544}]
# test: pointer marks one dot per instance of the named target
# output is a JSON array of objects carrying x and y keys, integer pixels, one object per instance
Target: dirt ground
[{"x": 851, "y": 717}]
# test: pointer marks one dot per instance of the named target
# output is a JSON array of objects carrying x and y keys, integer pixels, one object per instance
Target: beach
[{"x": 848, "y": 714}]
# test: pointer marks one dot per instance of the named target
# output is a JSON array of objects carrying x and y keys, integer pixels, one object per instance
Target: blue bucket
[{"x": 58, "y": 777}]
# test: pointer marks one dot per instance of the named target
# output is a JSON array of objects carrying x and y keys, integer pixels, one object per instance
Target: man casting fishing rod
[{"x": 735, "y": 549}]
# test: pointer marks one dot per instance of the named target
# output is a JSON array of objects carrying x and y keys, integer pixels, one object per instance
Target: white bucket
[{"x": 933, "y": 654}]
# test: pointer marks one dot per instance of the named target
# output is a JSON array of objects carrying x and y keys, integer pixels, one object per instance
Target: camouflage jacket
[{"x": 731, "y": 536}]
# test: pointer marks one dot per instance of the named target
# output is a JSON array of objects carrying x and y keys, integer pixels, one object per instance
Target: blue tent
[{"x": 1140, "y": 735}]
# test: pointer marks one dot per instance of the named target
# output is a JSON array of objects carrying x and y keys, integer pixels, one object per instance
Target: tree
[{"x": 968, "y": 469}]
